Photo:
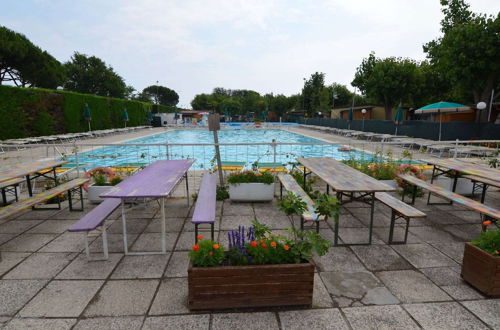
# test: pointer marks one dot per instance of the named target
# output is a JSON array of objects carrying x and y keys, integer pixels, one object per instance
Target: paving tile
[
  {"x": 383, "y": 234},
  {"x": 339, "y": 259},
  {"x": 4, "y": 320},
  {"x": 40, "y": 324},
  {"x": 453, "y": 250},
  {"x": 16, "y": 293},
  {"x": 352, "y": 285},
  {"x": 231, "y": 222},
  {"x": 321, "y": 297},
  {"x": 380, "y": 257},
  {"x": 411, "y": 286},
  {"x": 171, "y": 298},
  {"x": 6, "y": 237},
  {"x": 40, "y": 266},
  {"x": 347, "y": 221},
  {"x": 328, "y": 319},
  {"x": 379, "y": 317},
  {"x": 52, "y": 227},
  {"x": 423, "y": 255},
  {"x": 357, "y": 235},
  {"x": 28, "y": 242},
  {"x": 279, "y": 221},
  {"x": 177, "y": 322},
  {"x": 18, "y": 226},
  {"x": 67, "y": 242},
  {"x": 115, "y": 243},
  {"x": 172, "y": 225},
  {"x": 145, "y": 266},
  {"x": 127, "y": 297},
  {"x": 83, "y": 269},
  {"x": 444, "y": 316},
  {"x": 465, "y": 232},
  {"x": 178, "y": 264},
  {"x": 134, "y": 226},
  {"x": 462, "y": 292},
  {"x": 151, "y": 242},
  {"x": 186, "y": 239},
  {"x": 379, "y": 296},
  {"x": 230, "y": 208},
  {"x": 110, "y": 323},
  {"x": 11, "y": 259},
  {"x": 37, "y": 214},
  {"x": 433, "y": 235},
  {"x": 62, "y": 299},
  {"x": 251, "y": 321},
  {"x": 486, "y": 310},
  {"x": 443, "y": 275}
]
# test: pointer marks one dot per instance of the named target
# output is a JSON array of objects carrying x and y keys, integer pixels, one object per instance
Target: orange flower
[
  {"x": 286, "y": 247},
  {"x": 211, "y": 253},
  {"x": 196, "y": 247},
  {"x": 264, "y": 245},
  {"x": 215, "y": 246},
  {"x": 253, "y": 244},
  {"x": 486, "y": 223},
  {"x": 262, "y": 241},
  {"x": 496, "y": 252},
  {"x": 273, "y": 244},
  {"x": 200, "y": 237}
]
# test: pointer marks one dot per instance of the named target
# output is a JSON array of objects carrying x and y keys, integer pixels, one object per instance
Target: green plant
[
  {"x": 222, "y": 193},
  {"x": 115, "y": 180},
  {"x": 305, "y": 242},
  {"x": 292, "y": 204},
  {"x": 250, "y": 177},
  {"x": 206, "y": 253},
  {"x": 327, "y": 206},
  {"x": 489, "y": 241}
]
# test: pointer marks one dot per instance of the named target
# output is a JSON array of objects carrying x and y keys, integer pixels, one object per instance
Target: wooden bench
[
  {"x": 67, "y": 187},
  {"x": 287, "y": 181},
  {"x": 476, "y": 180},
  {"x": 10, "y": 187},
  {"x": 204, "y": 210},
  {"x": 488, "y": 212},
  {"x": 94, "y": 219},
  {"x": 399, "y": 210}
]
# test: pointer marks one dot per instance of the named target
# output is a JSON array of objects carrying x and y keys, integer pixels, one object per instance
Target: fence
[{"x": 416, "y": 128}]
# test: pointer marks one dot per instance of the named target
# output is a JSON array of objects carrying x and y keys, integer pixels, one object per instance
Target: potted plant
[
  {"x": 103, "y": 178},
  {"x": 258, "y": 269},
  {"x": 481, "y": 262},
  {"x": 407, "y": 189},
  {"x": 250, "y": 186}
]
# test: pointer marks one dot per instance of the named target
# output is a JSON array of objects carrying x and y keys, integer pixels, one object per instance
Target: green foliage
[
  {"x": 327, "y": 206},
  {"x": 308, "y": 187},
  {"x": 250, "y": 177},
  {"x": 377, "y": 167},
  {"x": 292, "y": 204},
  {"x": 160, "y": 95},
  {"x": 306, "y": 242},
  {"x": 115, "y": 180},
  {"x": 207, "y": 253},
  {"x": 89, "y": 74},
  {"x": 100, "y": 179},
  {"x": 222, "y": 193},
  {"x": 260, "y": 230},
  {"x": 489, "y": 241}
]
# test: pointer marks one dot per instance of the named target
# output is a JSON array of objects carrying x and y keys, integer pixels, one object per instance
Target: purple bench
[
  {"x": 94, "y": 219},
  {"x": 204, "y": 210}
]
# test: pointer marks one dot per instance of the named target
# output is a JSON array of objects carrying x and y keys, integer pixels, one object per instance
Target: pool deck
[{"x": 47, "y": 283}]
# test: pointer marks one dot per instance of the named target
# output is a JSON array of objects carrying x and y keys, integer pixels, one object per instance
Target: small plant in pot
[
  {"x": 103, "y": 178},
  {"x": 251, "y": 186},
  {"x": 481, "y": 262}
]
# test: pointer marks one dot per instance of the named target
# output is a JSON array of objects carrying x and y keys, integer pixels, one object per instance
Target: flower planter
[
  {"x": 95, "y": 191},
  {"x": 481, "y": 270},
  {"x": 250, "y": 286},
  {"x": 251, "y": 192},
  {"x": 464, "y": 186}
]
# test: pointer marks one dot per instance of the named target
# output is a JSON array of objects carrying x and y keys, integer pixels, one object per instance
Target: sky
[{"x": 192, "y": 46}]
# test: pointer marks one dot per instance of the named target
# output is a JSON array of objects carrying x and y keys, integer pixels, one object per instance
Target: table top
[
  {"x": 342, "y": 177},
  {"x": 23, "y": 169},
  {"x": 466, "y": 167},
  {"x": 155, "y": 181}
]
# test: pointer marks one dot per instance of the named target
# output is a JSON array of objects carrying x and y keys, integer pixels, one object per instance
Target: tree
[
  {"x": 312, "y": 90},
  {"x": 26, "y": 65},
  {"x": 89, "y": 74},
  {"x": 387, "y": 81},
  {"x": 467, "y": 54},
  {"x": 200, "y": 102},
  {"x": 161, "y": 95}
]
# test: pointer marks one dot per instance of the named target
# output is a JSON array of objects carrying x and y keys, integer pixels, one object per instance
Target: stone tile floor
[{"x": 47, "y": 283}]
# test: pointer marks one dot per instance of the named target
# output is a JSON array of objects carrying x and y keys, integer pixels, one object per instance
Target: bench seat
[
  {"x": 204, "y": 210},
  {"x": 43, "y": 197},
  {"x": 399, "y": 210},
  {"x": 287, "y": 181},
  {"x": 10, "y": 186}
]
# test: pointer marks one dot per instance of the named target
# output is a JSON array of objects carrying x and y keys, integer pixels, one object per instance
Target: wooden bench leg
[
  {"x": 212, "y": 225},
  {"x": 394, "y": 217},
  {"x": 195, "y": 233}
]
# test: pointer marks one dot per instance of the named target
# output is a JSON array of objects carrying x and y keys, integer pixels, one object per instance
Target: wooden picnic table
[
  {"x": 346, "y": 181},
  {"x": 156, "y": 181},
  {"x": 36, "y": 168}
]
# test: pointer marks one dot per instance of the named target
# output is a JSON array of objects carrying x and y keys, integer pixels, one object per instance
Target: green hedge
[{"x": 26, "y": 112}]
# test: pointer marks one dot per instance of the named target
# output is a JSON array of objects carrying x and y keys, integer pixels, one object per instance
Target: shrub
[
  {"x": 206, "y": 253},
  {"x": 489, "y": 241},
  {"x": 250, "y": 177},
  {"x": 222, "y": 193}
]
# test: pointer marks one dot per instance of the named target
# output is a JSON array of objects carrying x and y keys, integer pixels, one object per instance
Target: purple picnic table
[{"x": 157, "y": 180}]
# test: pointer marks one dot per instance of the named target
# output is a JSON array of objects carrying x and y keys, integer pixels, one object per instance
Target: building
[{"x": 372, "y": 112}]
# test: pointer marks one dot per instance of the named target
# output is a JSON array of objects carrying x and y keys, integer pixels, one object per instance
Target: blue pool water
[{"x": 204, "y": 155}]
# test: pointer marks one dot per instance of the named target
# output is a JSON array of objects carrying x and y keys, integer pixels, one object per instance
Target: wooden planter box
[
  {"x": 250, "y": 286},
  {"x": 481, "y": 270}
]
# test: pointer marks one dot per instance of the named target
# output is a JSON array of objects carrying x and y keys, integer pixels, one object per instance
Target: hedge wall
[{"x": 26, "y": 112}]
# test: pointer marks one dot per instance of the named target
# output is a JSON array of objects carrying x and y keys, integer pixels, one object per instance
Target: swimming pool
[{"x": 155, "y": 147}]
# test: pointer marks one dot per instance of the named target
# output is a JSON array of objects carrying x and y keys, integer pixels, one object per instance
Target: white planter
[
  {"x": 464, "y": 186},
  {"x": 251, "y": 192},
  {"x": 392, "y": 183},
  {"x": 95, "y": 191}
]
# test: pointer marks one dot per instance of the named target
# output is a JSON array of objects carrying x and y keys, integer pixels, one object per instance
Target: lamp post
[{"x": 363, "y": 111}]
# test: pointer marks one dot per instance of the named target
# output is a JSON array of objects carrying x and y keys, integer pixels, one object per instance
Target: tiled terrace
[{"x": 47, "y": 283}]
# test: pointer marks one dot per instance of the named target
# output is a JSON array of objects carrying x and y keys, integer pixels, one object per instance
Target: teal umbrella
[
  {"x": 398, "y": 119},
  {"x": 87, "y": 114},
  {"x": 441, "y": 107},
  {"x": 125, "y": 116}
]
